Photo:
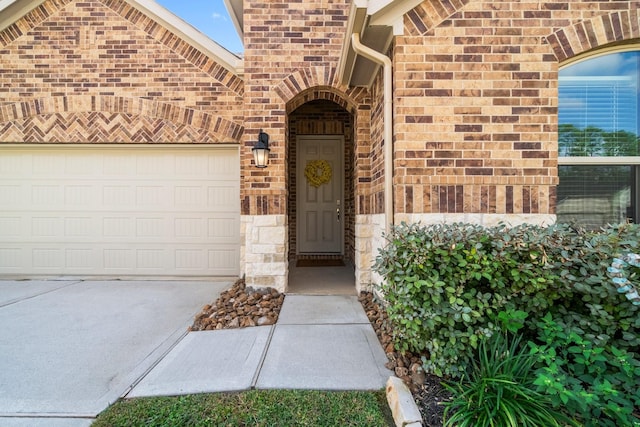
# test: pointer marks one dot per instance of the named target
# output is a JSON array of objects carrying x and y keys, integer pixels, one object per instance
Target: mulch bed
[{"x": 239, "y": 307}]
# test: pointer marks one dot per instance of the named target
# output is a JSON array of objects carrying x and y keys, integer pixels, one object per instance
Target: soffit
[{"x": 377, "y": 22}]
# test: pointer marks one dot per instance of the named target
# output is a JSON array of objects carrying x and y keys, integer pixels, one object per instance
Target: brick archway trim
[
  {"x": 429, "y": 14},
  {"x": 312, "y": 83},
  {"x": 303, "y": 79},
  {"x": 324, "y": 93},
  {"x": 84, "y": 118},
  {"x": 595, "y": 32}
]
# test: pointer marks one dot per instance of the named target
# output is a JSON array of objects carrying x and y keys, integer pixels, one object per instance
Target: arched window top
[{"x": 598, "y": 114}]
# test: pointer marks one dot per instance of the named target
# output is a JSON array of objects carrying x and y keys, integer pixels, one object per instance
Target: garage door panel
[
  {"x": 78, "y": 196},
  {"x": 11, "y": 259},
  {"x": 11, "y": 195},
  {"x": 115, "y": 211},
  {"x": 223, "y": 229},
  {"x": 118, "y": 164},
  {"x": 117, "y": 227},
  {"x": 118, "y": 196},
  {"x": 218, "y": 258},
  {"x": 114, "y": 260},
  {"x": 221, "y": 198},
  {"x": 119, "y": 260},
  {"x": 46, "y": 195},
  {"x": 222, "y": 168},
  {"x": 48, "y": 258},
  {"x": 11, "y": 226},
  {"x": 191, "y": 165},
  {"x": 189, "y": 228}
]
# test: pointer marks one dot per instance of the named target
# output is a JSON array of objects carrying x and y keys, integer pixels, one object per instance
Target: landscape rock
[
  {"x": 265, "y": 320},
  {"x": 239, "y": 307}
]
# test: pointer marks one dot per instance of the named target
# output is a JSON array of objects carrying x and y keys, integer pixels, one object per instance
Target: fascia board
[
  {"x": 356, "y": 23},
  {"x": 235, "y": 9}
]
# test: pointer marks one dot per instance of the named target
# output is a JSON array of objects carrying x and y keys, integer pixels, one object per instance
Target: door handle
[{"x": 338, "y": 212}]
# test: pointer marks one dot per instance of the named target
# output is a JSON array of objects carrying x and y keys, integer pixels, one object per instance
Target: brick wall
[
  {"x": 97, "y": 71},
  {"x": 476, "y": 100},
  {"x": 290, "y": 46},
  {"x": 376, "y": 149}
]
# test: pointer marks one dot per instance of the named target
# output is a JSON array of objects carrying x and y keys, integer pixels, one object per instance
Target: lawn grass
[{"x": 253, "y": 408}]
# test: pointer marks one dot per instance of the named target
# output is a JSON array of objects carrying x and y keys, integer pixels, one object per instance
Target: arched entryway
[{"x": 321, "y": 209}]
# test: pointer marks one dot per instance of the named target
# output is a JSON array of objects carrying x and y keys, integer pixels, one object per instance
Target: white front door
[{"x": 320, "y": 204}]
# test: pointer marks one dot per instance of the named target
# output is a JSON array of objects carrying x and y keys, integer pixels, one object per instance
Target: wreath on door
[{"x": 318, "y": 172}]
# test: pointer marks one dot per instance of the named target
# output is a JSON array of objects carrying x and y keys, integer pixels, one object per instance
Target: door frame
[{"x": 300, "y": 140}]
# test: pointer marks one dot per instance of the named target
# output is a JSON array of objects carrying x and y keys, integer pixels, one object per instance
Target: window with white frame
[{"x": 598, "y": 140}]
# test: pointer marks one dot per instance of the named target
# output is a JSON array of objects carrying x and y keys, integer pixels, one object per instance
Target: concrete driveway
[{"x": 70, "y": 348}]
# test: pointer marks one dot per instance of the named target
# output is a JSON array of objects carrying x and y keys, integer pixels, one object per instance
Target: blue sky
[{"x": 208, "y": 16}]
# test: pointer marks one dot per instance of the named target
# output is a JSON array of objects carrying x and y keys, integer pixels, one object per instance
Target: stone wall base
[
  {"x": 369, "y": 238},
  {"x": 263, "y": 256},
  {"x": 488, "y": 220}
]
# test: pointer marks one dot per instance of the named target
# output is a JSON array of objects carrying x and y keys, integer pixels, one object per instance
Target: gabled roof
[
  {"x": 377, "y": 21},
  {"x": 12, "y": 10}
]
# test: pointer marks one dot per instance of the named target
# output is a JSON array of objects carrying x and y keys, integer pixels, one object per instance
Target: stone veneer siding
[
  {"x": 103, "y": 72},
  {"x": 263, "y": 255},
  {"x": 369, "y": 232}
]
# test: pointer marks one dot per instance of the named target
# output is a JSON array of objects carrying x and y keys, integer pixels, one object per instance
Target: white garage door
[{"x": 119, "y": 211}]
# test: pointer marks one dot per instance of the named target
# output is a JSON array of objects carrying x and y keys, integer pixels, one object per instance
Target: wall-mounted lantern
[{"x": 261, "y": 150}]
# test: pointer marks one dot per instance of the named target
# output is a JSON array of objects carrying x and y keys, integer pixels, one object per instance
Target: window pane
[
  {"x": 594, "y": 196},
  {"x": 598, "y": 107}
]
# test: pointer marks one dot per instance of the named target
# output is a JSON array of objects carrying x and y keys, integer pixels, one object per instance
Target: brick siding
[
  {"x": 476, "y": 100},
  {"x": 475, "y": 95},
  {"x": 101, "y": 72},
  {"x": 290, "y": 46}
]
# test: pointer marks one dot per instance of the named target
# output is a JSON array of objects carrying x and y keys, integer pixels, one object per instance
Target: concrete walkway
[
  {"x": 319, "y": 342},
  {"x": 68, "y": 349}
]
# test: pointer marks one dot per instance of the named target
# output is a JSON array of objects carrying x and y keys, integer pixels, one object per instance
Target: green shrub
[
  {"x": 591, "y": 300},
  {"x": 594, "y": 383},
  {"x": 448, "y": 287},
  {"x": 445, "y": 285},
  {"x": 498, "y": 390}
]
